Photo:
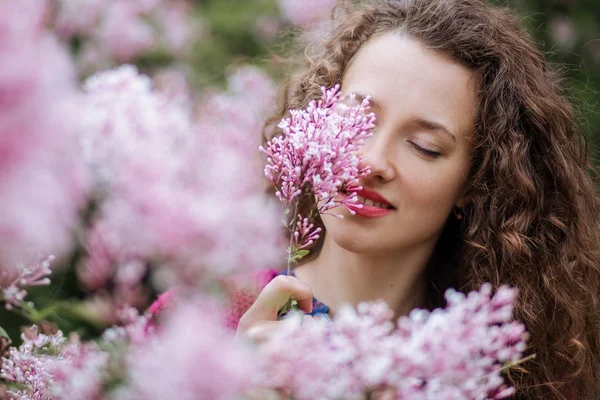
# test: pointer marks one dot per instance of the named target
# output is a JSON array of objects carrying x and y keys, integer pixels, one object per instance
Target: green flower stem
[
  {"x": 291, "y": 251},
  {"x": 510, "y": 365}
]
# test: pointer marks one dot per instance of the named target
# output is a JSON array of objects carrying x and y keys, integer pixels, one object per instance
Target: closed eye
[{"x": 425, "y": 152}]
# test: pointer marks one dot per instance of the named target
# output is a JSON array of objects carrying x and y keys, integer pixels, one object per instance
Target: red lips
[
  {"x": 372, "y": 195},
  {"x": 371, "y": 211}
]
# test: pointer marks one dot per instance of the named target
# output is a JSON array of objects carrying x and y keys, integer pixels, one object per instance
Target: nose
[{"x": 376, "y": 153}]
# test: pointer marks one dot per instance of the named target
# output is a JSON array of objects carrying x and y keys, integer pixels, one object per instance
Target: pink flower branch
[{"x": 316, "y": 155}]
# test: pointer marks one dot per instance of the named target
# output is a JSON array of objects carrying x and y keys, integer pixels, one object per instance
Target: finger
[
  {"x": 258, "y": 333},
  {"x": 277, "y": 292}
]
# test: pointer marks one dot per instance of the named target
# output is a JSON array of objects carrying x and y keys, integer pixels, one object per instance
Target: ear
[{"x": 463, "y": 201}]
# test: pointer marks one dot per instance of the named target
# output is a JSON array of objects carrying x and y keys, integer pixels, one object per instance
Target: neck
[{"x": 338, "y": 276}]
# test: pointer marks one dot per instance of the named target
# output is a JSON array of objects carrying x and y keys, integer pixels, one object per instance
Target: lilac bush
[{"x": 169, "y": 193}]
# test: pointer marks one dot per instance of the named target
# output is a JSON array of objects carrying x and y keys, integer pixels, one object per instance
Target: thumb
[{"x": 276, "y": 294}]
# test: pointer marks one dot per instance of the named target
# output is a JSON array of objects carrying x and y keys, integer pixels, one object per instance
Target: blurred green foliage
[
  {"x": 233, "y": 37},
  {"x": 569, "y": 32}
]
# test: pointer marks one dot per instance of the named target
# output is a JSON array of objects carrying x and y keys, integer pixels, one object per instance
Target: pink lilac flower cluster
[
  {"x": 452, "y": 353},
  {"x": 306, "y": 12},
  {"x": 316, "y": 154},
  {"x": 234, "y": 118},
  {"x": 49, "y": 367},
  {"x": 14, "y": 283},
  {"x": 318, "y": 150},
  {"x": 77, "y": 373},
  {"x": 171, "y": 191},
  {"x": 27, "y": 364},
  {"x": 194, "y": 356},
  {"x": 189, "y": 354},
  {"x": 118, "y": 31},
  {"x": 43, "y": 180}
]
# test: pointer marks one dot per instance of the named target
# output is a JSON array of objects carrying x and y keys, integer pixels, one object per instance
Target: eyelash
[{"x": 425, "y": 152}]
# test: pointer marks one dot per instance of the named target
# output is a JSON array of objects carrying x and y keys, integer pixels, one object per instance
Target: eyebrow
[
  {"x": 423, "y": 123},
  {"x": 434, "y": 126}
]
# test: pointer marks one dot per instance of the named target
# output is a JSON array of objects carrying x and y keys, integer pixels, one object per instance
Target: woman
[{"x": 479, "y": 173}]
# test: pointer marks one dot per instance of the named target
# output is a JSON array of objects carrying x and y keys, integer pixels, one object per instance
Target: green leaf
[
  {"x": 301, "y": 253},
  {"x": 3, "y": 333},
  {"x": 291, "y": 305}
]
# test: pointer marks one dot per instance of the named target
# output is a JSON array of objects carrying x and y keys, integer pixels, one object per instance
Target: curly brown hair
[{"x": 532, "y": 220}]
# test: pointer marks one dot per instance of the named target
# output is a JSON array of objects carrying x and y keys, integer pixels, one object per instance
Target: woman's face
[{"x": 420, "y": 153}]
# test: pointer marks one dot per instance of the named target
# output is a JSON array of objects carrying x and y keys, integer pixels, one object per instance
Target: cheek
[{"x": 434, "y": 190}]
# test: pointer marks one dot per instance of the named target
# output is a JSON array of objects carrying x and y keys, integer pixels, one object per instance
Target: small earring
[{"x": 458, "y": 212}]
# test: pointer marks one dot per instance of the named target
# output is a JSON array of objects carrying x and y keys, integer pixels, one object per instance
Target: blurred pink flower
[
  {"x": 233, "y": 119},
  {"x": 170, "y": 192},
  {"x": 173, "y": 82},
  {"x": 123, "y": 33},
  {"x": 164, "y": 301},
  {"x": 452, "y": 353},
  {"x": 117, "y": 31},
  {"x": 178, "y": 29},
  {"x": 267, "y": 27},
  {"x": 78, "y": 373},
  {"x": 563, "y": 31},
  {"x": 77, "y": 17},
  {"x": 192, "y": 354},
  {"x": 305, "y": 12},
  {"x": 43, "y": 180}
]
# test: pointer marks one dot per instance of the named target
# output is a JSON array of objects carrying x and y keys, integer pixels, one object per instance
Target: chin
[{"x": 351, "y": 238}]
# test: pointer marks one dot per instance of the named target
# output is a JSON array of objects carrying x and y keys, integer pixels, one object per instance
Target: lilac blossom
[
  {"x": 53, "y": 368},
  {"x": 305, "y": 234},
  {"x": 318, "y": 149},
  {"x": 316, "y": 155},
  {"x": 14, "y": 282},
  {"x": 171, "y": 192},
  {"x": 452, "y": 353},
  {"x": 27, "y": 364},
  {"x": 43, "y": 179}
]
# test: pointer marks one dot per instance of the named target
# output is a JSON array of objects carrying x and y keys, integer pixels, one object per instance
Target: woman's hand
[{"x": 261, "y": 317}]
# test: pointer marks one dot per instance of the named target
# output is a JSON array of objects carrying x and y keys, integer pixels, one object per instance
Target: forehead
[{"x": 405, "y": 78}]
